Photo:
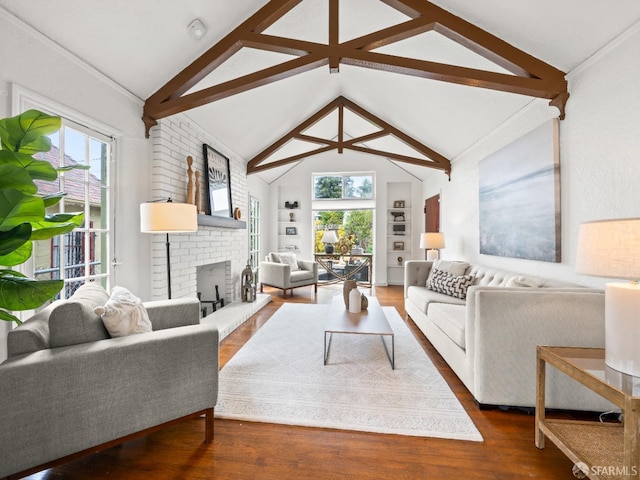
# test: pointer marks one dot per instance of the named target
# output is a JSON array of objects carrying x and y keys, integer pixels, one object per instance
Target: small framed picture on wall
[
  {"x": 398, "y": 245},
  {"x": 291, "y": 231},
  {"x": 398, "y": 204}
]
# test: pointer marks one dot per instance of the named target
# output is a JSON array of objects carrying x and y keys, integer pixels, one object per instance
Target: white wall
[
  {"x": 599, "y": 160},
  {"x": 33, "y": 62},
  {"x": 298, "y": 181}
]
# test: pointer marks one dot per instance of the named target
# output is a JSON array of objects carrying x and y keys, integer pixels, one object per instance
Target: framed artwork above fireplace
[{"x": 218, "y": 182}]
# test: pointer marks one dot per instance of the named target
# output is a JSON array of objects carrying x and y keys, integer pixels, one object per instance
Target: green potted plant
[{"x": 23, "y": 217}]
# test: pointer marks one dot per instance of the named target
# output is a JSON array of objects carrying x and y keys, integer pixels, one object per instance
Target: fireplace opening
[
  {"x": 215, "y": 303},
  {"x": 213, "y": 283}
]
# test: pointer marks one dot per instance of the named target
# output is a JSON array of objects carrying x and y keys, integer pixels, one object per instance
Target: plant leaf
[
  {"x": 38, "y": 169},
  {"x": 45, "y": 232},
  {"x": 19, "y": 293},
  {"x": 17, "y": 208},
  {"x": 75, "y": 217},
  {"x": 12, "y": 239},
  {"x": 11, "y": 273},
  {"x": 56, "y": 224},
  {"x": 26, "y": 133},
  {"x": 18, "y": 256},
  {"x": 16, "y": 178},
  {"x": 6, "y": 316},
  {"x": 53, "y": 199}
]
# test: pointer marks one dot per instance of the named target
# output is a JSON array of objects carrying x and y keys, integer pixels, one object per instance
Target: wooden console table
[
  {"x": 341, "y": 267},
  {"x": 600, "y": 450}
]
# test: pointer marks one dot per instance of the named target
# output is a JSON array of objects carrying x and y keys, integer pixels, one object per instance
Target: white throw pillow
[
  {"x": 290, "y": 259},
  {"x": 124, "y": 314},
  {"x": 274, "y": 257},
  {"x": 453, "y": 267}
]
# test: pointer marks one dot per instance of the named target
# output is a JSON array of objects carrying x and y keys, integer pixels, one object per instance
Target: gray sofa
[
  {"x": 287, "y": 274},
  {"x": 489, "y": 339},
  {"x": 68, "y": 389}
]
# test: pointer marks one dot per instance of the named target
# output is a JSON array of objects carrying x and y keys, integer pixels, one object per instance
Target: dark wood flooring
[{"x": 245, "y": 450}]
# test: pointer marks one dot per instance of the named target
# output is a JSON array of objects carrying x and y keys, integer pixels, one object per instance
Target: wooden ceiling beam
[
  {"x": 454, "y": 74},
  {"x": 334, "y": 34},
  {"x": 320, "y": 141},
  {"x": 532, "y": 77},
  {"x": 395, "y": 33},
  {"x": 433, "y": 158},
  {"x": 215, "y": 56},
  {"x": 367, "y": 138},
  {"x": 399, "y": 158},
  {"x": 238, "y": 85},
  {"x": 412, "y": 142},
  {"x": 523, "y": 85},
  {"x": 288, "y": 160},
  {"x": 212, "y": 58},
  {"x": 340, "y": 127},
  {"x": 484, "y": 43},
  {"x": 403, "y": 7},
  {"x": 298, "y": 129}
]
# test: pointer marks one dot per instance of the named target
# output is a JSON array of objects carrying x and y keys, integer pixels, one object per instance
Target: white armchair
[{"x": 285, "y": 271}]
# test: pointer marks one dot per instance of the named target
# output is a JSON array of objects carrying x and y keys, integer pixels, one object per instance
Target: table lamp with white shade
[
  {"x": 432, "y": 241},
  {"x": 611, "y": 249},
  {"x": 168, "y": 217},
  {"x": 329, "y": 238}
]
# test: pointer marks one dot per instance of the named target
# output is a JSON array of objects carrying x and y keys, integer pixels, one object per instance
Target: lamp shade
[
  {"x": 329, "y": 237},
  {"x": 609, "y": 248},
  {"x": 168, "y": 217},
  {"x": 432, "y": 240}
]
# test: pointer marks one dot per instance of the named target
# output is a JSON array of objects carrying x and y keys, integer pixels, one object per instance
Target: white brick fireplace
[{"x": 174, "y": 139}]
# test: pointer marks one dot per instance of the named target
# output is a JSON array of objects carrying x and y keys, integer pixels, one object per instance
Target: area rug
[{"x": 279, "y": 376}]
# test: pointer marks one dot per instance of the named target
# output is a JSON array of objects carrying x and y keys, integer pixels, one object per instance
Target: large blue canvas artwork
[{"x": 519, "y": 189}]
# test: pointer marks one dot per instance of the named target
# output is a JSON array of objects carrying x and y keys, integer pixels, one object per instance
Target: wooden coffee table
[{"x": 368, "y": 322}]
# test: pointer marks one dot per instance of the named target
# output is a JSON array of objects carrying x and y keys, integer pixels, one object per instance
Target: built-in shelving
[
  {"x": 398, "y": 228},
  {"x": 287, "y": 219}
]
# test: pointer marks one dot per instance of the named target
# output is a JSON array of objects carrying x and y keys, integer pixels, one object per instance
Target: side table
[{"x": 600, "y": 450}]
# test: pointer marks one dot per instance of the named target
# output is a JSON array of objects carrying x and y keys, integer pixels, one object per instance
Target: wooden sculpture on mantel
[{"x": 189, "y": 180}]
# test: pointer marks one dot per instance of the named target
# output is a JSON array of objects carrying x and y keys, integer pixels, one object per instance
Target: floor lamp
[
  {"x": 168, "y": 217},
  {"x": 609, "y": 248}
]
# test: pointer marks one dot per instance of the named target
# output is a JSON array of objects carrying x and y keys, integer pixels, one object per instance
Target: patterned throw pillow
[{"x": 449, "y": 284}]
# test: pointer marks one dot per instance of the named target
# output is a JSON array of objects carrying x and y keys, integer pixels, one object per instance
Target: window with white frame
[
  {"x": 343, "y": 187},
  {"x": 254, "y": 233},
  {"x": 83, "y": 254}
]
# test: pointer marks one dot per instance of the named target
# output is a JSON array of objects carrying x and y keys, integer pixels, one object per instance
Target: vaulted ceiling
[{"x": 435, "y": 77}]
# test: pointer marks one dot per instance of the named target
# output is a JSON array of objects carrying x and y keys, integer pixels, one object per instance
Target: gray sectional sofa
[
  {"x": 69, "y": 389},
  {"x": 489, "y": 338}
]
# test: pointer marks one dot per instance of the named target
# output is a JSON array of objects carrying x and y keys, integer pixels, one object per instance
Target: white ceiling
[{"x": 143, "y": 44}]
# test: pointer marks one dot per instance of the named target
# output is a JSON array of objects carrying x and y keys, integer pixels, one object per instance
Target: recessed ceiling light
[{"x": 196, "y": 29}]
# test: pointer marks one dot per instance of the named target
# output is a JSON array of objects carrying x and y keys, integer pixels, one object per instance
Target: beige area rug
[{"x": 279, "y": 377}]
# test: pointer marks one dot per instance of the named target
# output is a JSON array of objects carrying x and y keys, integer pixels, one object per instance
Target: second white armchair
[{"x": 286, "y": 272}]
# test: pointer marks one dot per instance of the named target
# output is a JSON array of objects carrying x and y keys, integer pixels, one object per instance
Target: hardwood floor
[{"x": 245, "y": 450}]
